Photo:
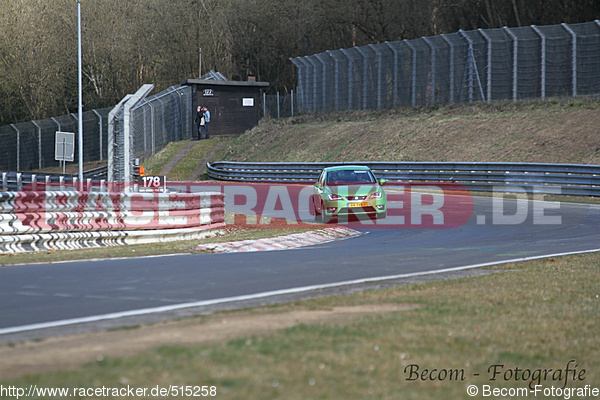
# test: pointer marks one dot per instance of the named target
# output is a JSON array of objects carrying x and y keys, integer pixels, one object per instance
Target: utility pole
[{"x": 80, "y": 105}]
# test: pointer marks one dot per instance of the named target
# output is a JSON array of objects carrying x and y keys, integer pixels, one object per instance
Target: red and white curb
[{"x": 291, "y": 241}]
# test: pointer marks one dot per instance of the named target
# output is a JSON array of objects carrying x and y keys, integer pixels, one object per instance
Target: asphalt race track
[{"x": 35, "y": 298}]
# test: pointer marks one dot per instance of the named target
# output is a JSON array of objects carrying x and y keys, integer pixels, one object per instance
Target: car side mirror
[{"x": 382, "y": 181}]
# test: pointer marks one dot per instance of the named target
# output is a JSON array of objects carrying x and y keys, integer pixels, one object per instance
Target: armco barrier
[
  {"x": 34, "y": 220},
  {"x": 14, "y": 181},
  {"x": 567, "y": 179}
]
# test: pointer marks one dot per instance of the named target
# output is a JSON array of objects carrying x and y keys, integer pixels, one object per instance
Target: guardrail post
[{"x": 4, "y": 181}]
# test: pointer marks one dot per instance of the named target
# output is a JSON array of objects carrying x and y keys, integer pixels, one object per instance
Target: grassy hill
[{"x": 556, "y": 131}]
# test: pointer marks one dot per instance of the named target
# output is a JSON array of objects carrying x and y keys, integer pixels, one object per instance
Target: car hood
[{"x": 354, "y": 190}]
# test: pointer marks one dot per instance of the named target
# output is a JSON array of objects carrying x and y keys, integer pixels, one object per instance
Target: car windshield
[{"x": 350, "y": 177}]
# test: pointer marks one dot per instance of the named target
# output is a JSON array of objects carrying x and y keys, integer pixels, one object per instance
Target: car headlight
[
  {"x": 376, "y": 195},
  {"x": 334, "y": 196}
]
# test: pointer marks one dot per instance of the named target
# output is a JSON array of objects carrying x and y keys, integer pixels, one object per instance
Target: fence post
[
  {"x": 488, "y": 39},
  {"x": 377, "y": 50},
  {"x": 350, "y": 69},
  {"x": 365, "y": 80},
  {"x": 39, "y": 144},
  {"x": 323, "y": 83},
  {"x": 515, "y": 62},
  {"x": 292, "y": 102},
  {"x": 395, "y": 80},
  {"x": 305, "y": 82},
  {"x": 18, "y": 146},
  {"x": 152, "y": 128},
  {"x": 278, "y": 110},
  {"x": 301, "y": 91},
  {"x": 573, "y": 56},
  {"x": 414, "y": 72},
  {"x": 433, "y": 72},
  {"x": 336, "y": 80},
  {"x": 57, "y": 123},
  {"x": 100, "y": 129},
  {"x": 542, "y": 61},
  {"x": 180, "y": 105},
  {"x": 451, "y": 45},
  {"x": 313, "y": 64}
]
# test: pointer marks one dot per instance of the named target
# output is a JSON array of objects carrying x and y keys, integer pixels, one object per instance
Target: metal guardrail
[
  {"x": 96, "y": 173},
  {"x": 566, "y": 179},
  {"x": 15, "y": 181}
]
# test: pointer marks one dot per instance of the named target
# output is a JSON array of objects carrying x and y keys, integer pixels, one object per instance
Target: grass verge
[{"x": 533, "y": 316}]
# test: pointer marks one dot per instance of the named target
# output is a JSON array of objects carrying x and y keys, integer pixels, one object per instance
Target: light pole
[{"x": 80, "y": 105}]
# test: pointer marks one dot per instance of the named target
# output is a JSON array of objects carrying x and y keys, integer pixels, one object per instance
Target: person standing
[
  {"x": 206, "y": 121},
  {"x": 200, "y": 121}
]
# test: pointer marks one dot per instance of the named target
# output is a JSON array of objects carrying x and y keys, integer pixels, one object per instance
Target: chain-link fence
[
  {"x": 481, "y": 65},
  {"x": 30, "y": 146},
  {"x": 279, "y": 106},
  {"x": 156, "y": 121},
  {"x": 140, "y": 126},
  {"x": 160, "y": 119}
]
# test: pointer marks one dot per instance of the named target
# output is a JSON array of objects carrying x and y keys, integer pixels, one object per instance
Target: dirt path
[
  {"x": 180, "y": 155},
  {"x": 69, "y": 352},
  {"x": 202, "y": 165}
]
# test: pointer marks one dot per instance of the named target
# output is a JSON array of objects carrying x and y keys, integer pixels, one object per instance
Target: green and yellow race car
[{"x": 348, "y": 190}]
